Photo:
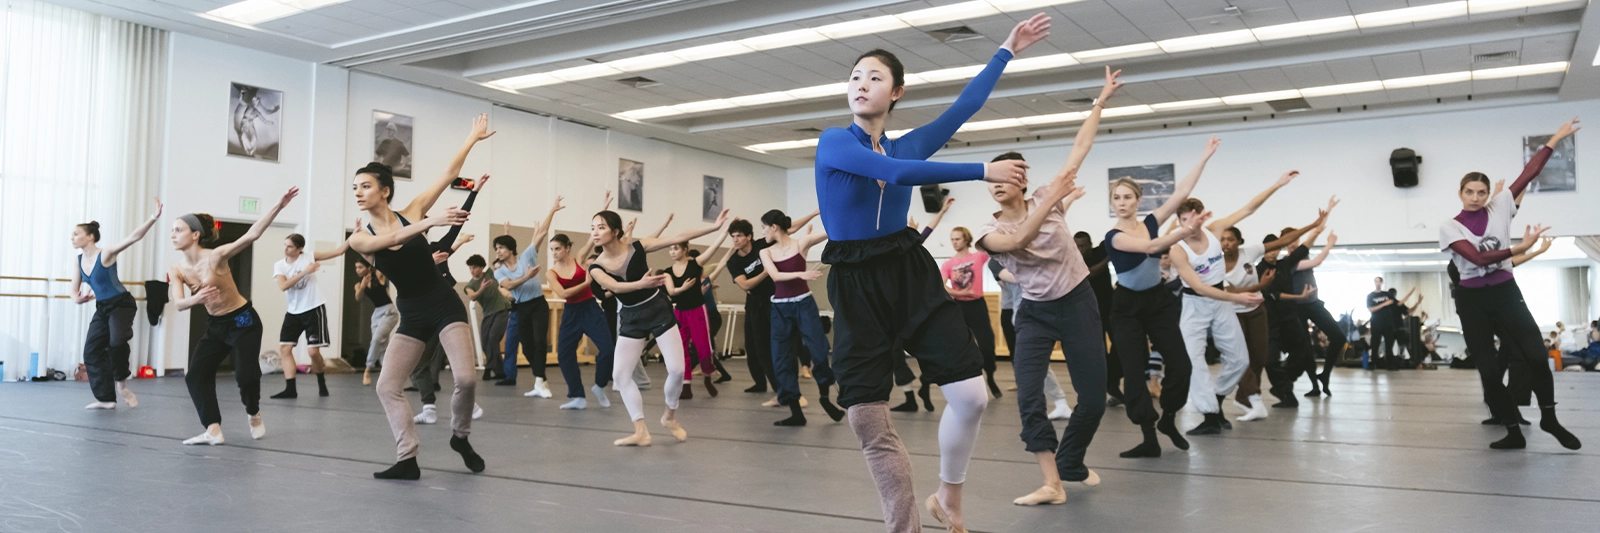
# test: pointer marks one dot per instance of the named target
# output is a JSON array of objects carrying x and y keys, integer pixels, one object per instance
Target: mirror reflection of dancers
[
  {"x": 305, "y": 312},
  {"x": 105, "y": 348},
  {"x": 233, "y": 325},
  {"x": 1492, "y": 305},
  {"x": 644, "y": 311},
  {"x": 373, "y": 286},
  {"x": 428, "y": 306},
  {"x": 885, "y": 287},
  {"x": 689, "y": 307}
]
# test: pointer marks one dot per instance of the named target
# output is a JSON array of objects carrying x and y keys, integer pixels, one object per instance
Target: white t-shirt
[
  {"x": 1243, "y": 273},
  {"x": 1496, "y": 236},
  {"x": 302, "y": 296},
  {"x": 1207, "y": 263}
]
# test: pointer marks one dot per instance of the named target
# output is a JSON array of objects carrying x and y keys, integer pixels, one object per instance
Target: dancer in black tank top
[{"x": 428, "y": 305}]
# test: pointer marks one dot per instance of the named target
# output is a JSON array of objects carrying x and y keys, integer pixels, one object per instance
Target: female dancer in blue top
[
  {"x": 105, "y": 352},
  {"x": 886, "y": 291}
]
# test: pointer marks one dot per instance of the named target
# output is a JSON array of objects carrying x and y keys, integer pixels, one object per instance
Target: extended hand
[
  {"x": 1028, "y": 32},
  {"x": 1010, "y": 171},
  {"x": 1288, "y": 177},
  {"x": 480, "y": 128}
]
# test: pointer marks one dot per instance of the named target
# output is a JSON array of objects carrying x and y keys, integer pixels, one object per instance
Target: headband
[{"x": 193, "y": 222}]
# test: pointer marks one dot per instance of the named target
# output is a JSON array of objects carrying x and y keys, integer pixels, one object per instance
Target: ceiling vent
[
  {"x": 1497, "y": 56},
  {"x": 639, "y": 82},
  {"x": 1078, "y": 101},
  {"x": 1289, "y": 104},
  {"x": 955, "y": 35},
  {"x": 810, "y": 131}
]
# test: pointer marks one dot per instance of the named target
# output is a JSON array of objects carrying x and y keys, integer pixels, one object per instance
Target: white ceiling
[{"x": 461, "y": 45}]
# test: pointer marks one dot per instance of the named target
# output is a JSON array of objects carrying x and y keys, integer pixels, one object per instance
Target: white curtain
[
  {"x": 1590, "y": 244},
  {"x": 81, "y": 104}
]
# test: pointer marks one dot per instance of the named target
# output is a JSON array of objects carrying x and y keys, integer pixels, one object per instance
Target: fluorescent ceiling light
[
  {"x": 950, "y": 74},
  {"x": 704, "y": 105},
  {"x": 585, "y": 72},
  {"x": 783, "y": 40},
  {"x": 1378, "y": 19},
  {"x": 1117, "y": 52},
  {"x": 819, "y": 91},
  {"x": 1055, "y": 118},
  {"x": 1256, "y": 98},
  {"x": 1187, "y": 104},
  {"x": 1344, "y": 88},
  {"x": 762, "y": 99},
  {"x": 1126, "y": 111},
  {"x": 646, "y": 62},
  {"x": 991, "y": 125},
  {"x": 948, "y": 13},
  {"x": 525, "y": 81},
  {"x": 648, "y": 113},
  {"x": 711, "y": 51},
  {"x": 1519, "y": 70},
  {"x": 1478, "y": 7},
  {"x": 1207, "y": 41},
  {"x": 785, "y": 145},
  {"x": 1306, "y": 29},
  {"x": 1009, "y": 6},
  {"x": 854, "y": 28},
  {"x": 253, "y": 12},
  {"x": 1040, "y": 63},
  {"x": 1431, "y": 79}
]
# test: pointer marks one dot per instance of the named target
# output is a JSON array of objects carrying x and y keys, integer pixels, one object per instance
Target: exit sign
[{"x": 248, "y": 205}]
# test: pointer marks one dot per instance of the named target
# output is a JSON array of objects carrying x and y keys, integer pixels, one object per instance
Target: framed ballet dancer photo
[
  {"x": 254, "y": 122},
  {"x": 630, "y": 185},
  {"x": 1158, "y": 182},
  {"x": 391, "y": 142},
  {"x": 1560, "y": 174},
  {"x": 711, "y": 199}
]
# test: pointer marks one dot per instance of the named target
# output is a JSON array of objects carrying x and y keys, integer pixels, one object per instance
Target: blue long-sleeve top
[{"x": 854, "y": 206}]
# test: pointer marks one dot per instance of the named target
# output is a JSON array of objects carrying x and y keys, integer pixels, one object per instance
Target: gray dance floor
[{"x": 1390, "y": 451}]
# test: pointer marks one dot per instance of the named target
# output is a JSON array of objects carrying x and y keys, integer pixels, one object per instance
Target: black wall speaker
[
  {"x": 933, "y": 197},
  {"x": 1404, "y": 162}
]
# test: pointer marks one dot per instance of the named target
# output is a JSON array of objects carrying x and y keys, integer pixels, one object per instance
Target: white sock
[
  {"x": 576, "y": 403},
  {"x": 958, "y": 427}
]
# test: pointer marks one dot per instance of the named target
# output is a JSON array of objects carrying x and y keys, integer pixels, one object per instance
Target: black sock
[
  {"x": 288, "y": 390},
  {"x": 1210, "y": 426},
  {"x": 322, "y": 385},
  {"x": 757, "y": 388},
  {"x": 405, "y": 470},
  {"x": 910, "y": 406},
  {"x": 1513, "y": 440},
  {"x": 827, "y": 404},
  {"x": 1148, "y": 448},
  {"x": 1168, "y": 425},
  {"x": 993, "y": 387},
  {"x": 1548, "y": 423},
  {"x": 1491, "y": 421},
  {"x": 927, "y": 398},
  {"x": 461, "y": 446},
  {"x": 1222, "y": 418},
  {"x": 796, "y": 418}
]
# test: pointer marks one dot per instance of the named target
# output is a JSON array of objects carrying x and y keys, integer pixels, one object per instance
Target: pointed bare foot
[{"x": 1046, "y": 495}]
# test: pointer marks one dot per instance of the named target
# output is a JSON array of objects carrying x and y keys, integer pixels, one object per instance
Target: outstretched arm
[
  {"x": 368, "y": 244},
  {"x": 1536, "y": 165},
  {"x": 939, "y": 217},
  {"x": 1544, "y": 244},
  {"x": 1292, "y": 237},
  {"x": 721, "y": 263},
  {"x": 1327, "y": 248},
  {"x": 1028, "y": 230},
  {"x": 805, "y": 220},
  {"x": 664, "y": 224},
  {"x": 1186, "y": 186},
  {"x": 109, "y": 253},
  {"x": 542, "y": 233},
  {"x": 1127, "y": 243},
  {"x": 927, "y": 139},
  {"x": 652, "y": 244},
  {"x": 706, "y": 257},
  {"x": 1091, "y": 125},
  {"x": 419, "y": 206},
  {"x": 228, "y": 250},
  {"x": 1254, "y": 204}
]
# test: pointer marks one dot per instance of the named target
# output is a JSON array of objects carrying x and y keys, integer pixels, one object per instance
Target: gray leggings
[{"x": 384, "y": 319}]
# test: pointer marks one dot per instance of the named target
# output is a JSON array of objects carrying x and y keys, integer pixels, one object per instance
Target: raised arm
[
  {"x": 927, "y": 139},
  {"x": 109, "y": 253},
  {"x": 419, "y": 206},
  {"x": 542, "y": 233},
  {"x": 228, "y": 250},
  {"x": 939, "y": 217},
  {"x": 1091, "y": 125},
  {"x": 1127, "y": 243},
  {"x": 1028, "y": 230},
  {"x": 1255, "y": 203},
  {"x": 704, "y": 257},
  {"x": 664, "y": 224},
  {"x": 337, "y": 251},
  {"x": 652, "y": 244},
  {"x": 1516, "y": 260},
  {"x": 805, "y": 220},
  {"x": 367, "y": 244},
  {"x": 1186, "y": 186},
  {"x": 449, "y": 238},
  {"x": 1333, "y": 238},
  {"x": 721, "y": 263},
  {"x": 1292, "y": 237},
  {"x": 1536, "y": 164},
  {"x": 838, "y": 149}
]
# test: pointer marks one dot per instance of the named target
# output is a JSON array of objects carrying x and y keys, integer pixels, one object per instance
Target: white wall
[
  {"x": 1348, "y": 159},
  {"x": 327, "y": 134}
]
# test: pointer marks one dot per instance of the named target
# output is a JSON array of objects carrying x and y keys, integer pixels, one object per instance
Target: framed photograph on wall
[
  {"x": 391, "y": 142},
  {"x": 1560, "y": 174},
  {"x": 711, "y": 199},
  {"x": 1158, "y": 181},
  {"x": 630, "y": 185},
  {"x": 255, "y": 122}
]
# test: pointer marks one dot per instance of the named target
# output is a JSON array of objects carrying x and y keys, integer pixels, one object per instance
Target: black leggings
[
  {"x": 238, "y": 332},
  {"x": 758, "y": 340},
  {"x": 976, "y": 315},
  {"x": 1287, "y": 334},
  {"x": 1150, "y": 318},
  {"x": 105, "y": 349},
  {"x": 1499, "y": 310},
  {"x": 1318, "y": 315},
  {"x": 1008, "y": 330}
]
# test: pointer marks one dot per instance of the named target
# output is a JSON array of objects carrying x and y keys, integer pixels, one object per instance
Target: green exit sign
[{"x": 248, "y": 205}]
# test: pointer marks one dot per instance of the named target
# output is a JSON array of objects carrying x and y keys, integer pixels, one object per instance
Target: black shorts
[
  {"x": 313, "y": 323},
  {"x": 423, "y": 317},
  {"x": 652, "y": 317},
  {"x": 888, "y": 300}
]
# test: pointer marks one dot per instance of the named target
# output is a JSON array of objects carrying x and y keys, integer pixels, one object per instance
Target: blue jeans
[
  {"x": 801, "y": 318},
  {"x": 528, "y": 326},
  {"x": 577, "y": 321}
]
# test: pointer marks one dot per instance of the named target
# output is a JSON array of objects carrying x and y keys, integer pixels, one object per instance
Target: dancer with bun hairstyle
[{"x": 105, "y": 349}]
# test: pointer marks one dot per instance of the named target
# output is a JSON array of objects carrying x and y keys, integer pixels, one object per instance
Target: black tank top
[
  {"x": 634, "y": 268},
  {"x": 411, "y": 267},
  {"x": 691, "y": 298},
  {"x": 379, "y": 294}
]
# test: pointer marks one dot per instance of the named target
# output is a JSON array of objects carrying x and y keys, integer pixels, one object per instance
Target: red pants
[{"x": 695, "y": 331}]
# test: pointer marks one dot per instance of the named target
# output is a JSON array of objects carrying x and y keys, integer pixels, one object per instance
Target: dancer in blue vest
[{"x": 106, "y": 350}]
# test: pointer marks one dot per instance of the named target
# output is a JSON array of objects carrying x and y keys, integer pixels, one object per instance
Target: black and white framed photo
[
  {"x": 630, "y": 185},
  {"x": 1561, "y": 172},
  {"x": 391, "y": 142},
  {"x": 711, "y": 199},
  {"x": 1158, "y": 181},
  {"x": 255, "y": 122}
]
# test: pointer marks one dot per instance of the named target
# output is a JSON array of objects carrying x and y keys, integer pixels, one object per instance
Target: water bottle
[{"x": 33, "y": 367}]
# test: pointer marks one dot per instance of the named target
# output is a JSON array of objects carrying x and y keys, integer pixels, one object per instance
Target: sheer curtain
[{"x": 81, "y": 101}]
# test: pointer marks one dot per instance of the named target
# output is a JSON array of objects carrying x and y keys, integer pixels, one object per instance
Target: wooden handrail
[
  {"x": 61, "y": 296},
  {"x": 62, "y": 280}
]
